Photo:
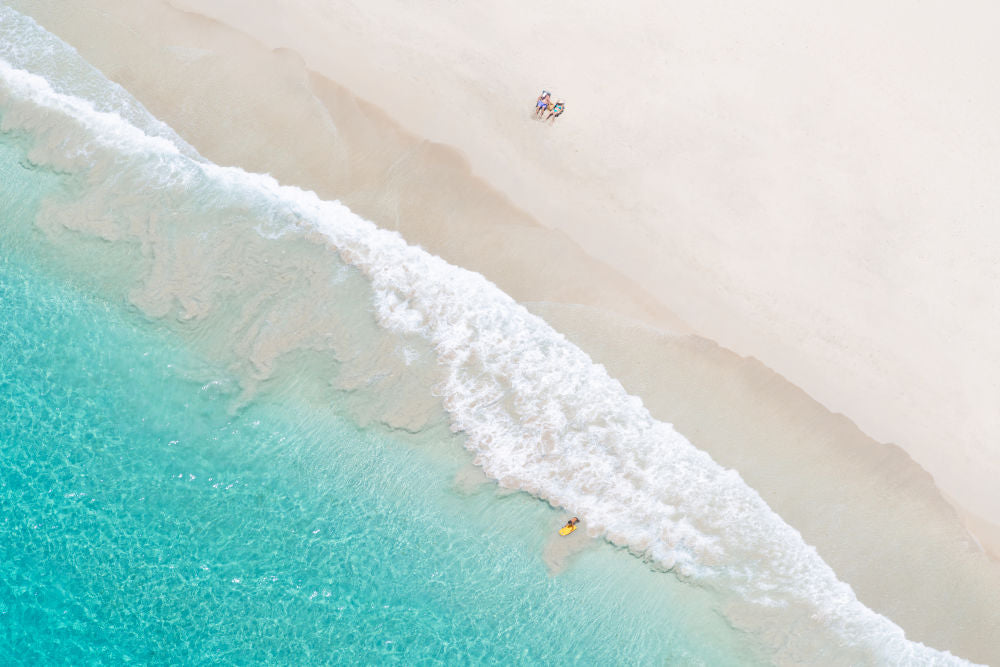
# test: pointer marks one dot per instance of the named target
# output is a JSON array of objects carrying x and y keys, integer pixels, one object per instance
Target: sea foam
[{"x": 537, "y": 413}]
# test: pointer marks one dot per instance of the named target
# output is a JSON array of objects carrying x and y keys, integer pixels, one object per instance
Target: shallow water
[
  {"x": 247, "y": 424},
  {"x": 145, "y": 521},
  {"x": 153, "y": 515}
]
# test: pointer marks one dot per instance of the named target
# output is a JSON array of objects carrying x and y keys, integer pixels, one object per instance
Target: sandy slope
[
  {"x": 680, "y": 206},
  {"x": 810, "y": 184}
]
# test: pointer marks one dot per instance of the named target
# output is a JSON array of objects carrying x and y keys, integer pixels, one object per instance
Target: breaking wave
[{"x": 269, "y": 278}]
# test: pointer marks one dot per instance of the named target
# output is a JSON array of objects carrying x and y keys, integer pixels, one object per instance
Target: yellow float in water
[{"x": 569, "y": 527}]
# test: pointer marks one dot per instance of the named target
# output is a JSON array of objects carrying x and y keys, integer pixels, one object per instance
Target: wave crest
[{"x": 243, "y": 265}]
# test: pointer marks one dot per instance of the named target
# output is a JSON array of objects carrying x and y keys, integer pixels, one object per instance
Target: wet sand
[
  {"x": 811, "y": 185},
  {"x": 872, "y": 512}
]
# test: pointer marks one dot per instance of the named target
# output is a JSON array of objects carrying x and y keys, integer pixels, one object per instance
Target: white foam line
[{"x": 539, "y": 415}]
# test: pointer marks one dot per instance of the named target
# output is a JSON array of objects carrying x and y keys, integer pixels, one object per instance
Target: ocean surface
[{"x": 241, "y": 424}]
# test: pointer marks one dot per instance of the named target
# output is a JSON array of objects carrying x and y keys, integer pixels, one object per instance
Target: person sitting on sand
[
  {"x": 542, "y": 105},
  {"x": 556, "y": 111}
]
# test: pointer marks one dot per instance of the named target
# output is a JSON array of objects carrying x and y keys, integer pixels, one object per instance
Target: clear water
[
  {"x": 145, "y": 521},
  {"x": 243, "y": 424}
]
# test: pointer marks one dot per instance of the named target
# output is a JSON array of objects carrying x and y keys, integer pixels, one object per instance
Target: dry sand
[
  {"x": 634, "y": 217},
  {"x": 808, "y": 183}
]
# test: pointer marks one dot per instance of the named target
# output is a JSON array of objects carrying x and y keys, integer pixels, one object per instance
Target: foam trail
[
  {"x": 543, "y": 418},
  {"x": 537, "y": 413},
  {"x": 26, "y": 45}
]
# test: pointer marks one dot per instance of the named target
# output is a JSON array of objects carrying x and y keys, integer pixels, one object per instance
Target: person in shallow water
[
  {"x": 572, "y": 522},
  {"x": 542, "y": 105}
]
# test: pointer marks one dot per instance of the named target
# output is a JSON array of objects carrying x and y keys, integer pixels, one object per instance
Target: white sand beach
[
  {"x": 772, "y": 225},
  {"x": 805, "y": 184}
]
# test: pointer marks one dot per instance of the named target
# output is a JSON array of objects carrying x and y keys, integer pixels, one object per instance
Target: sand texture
[
  {"x": 803, "y": 188},
  {"x": 805, "y": 183}
]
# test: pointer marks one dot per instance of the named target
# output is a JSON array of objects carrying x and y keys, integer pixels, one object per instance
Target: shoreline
[
  {"x": 604, "y": 278},
  {"x": 431, "y": 195},
  {"x": 783, "y": 191}
]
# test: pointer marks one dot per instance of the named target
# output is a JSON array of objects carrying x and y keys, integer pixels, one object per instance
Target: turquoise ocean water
[
  {"x": 240, "y": 424},
  {"x": 148, "y": 519},
  {"x": 145, "y": 520}
]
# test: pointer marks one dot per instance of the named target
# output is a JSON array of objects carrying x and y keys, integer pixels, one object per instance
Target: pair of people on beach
[{"x": 544, "y": 104}]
